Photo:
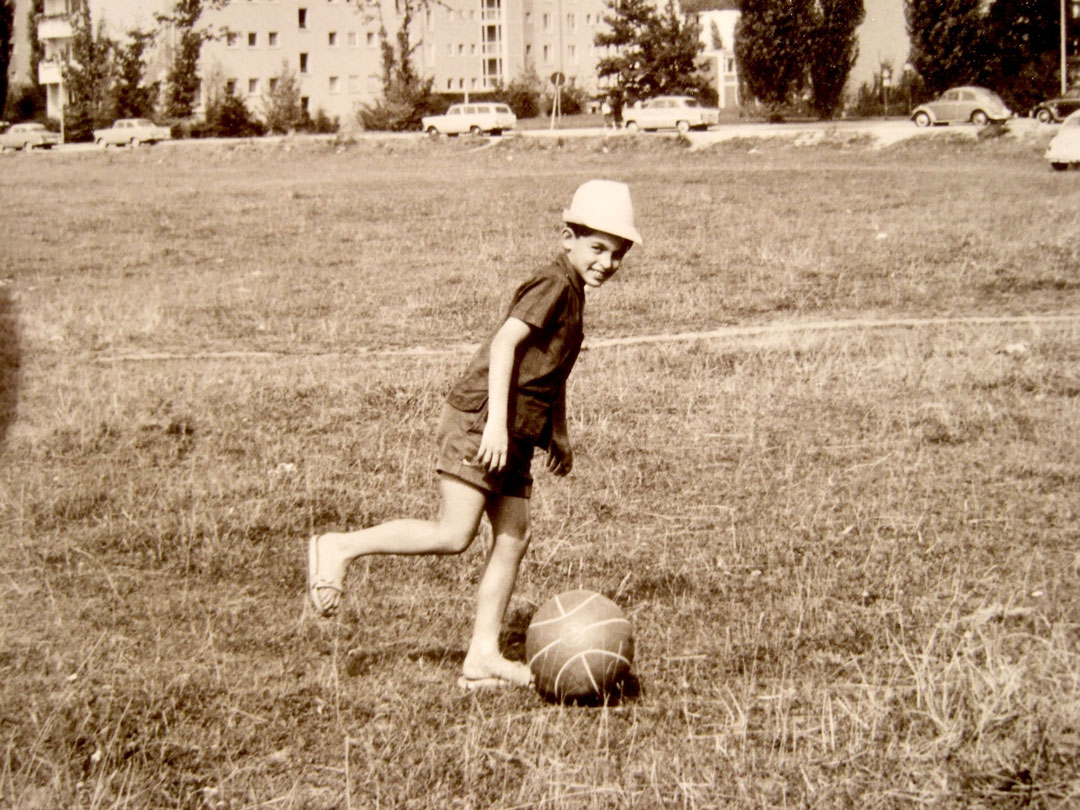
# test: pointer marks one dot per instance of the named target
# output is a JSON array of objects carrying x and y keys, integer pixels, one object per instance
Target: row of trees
[{"x": 1012, "y": 46}]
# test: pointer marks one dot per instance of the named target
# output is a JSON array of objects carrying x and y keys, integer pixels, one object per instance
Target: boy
[{"x": 511, "y": 400}]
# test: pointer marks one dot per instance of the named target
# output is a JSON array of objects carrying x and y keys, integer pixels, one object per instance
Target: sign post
[{"x": 558, "y": 79}]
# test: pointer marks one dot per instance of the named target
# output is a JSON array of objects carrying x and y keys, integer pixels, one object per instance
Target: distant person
[
  {"x": 510, "y": 401},
  {"x": 608, "y": 113}
]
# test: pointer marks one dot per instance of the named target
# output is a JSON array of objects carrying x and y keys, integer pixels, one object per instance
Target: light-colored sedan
[
  {"x": 28, "y": 136},
  {"x": 670, "y": 112},
  {"x": 131, "y": 132},
  {"x": 1064, "y": 148},
  {"x": 471, "y": 118},
  {"x": 959, "y": 105}
]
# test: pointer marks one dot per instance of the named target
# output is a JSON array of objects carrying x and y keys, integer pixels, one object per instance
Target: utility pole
[{"x": 1064, "y": 53}]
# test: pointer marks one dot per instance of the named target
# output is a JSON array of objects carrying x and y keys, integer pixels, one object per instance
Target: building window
[
  {"x": 335, "y": 84},
  {"x": 547, "y": 54},
  {"x": 231, "y": 39},
  {"x": 351, "y": 38},
  {"x": 461, "y": 49},
  {"x": 547, "y": 21},
  {"x": 571, "y": 52},
  {"x": 273, "y": 83},
  {"x": 230, "y": 87},
  {"x": 271, "y": 39},
  {"x": 303, "y": 63},
  {"x": 301, "y": 17},
  {"x": 571, "y": 21},
  {"x": 331, "y": 39},
  {"x": 449, "y": 84},
  {"x": 253, "y": 39},
  {"x": 253, "y": 87},
  {"x": 354, "y": 83},
  {"x": 304, "y": 102},
  {"x": 370, "y": 39}
]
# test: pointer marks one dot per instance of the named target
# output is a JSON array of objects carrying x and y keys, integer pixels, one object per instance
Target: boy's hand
[
  {"x": 494, "y": 448},
  {"x": 560, "y": 458}
]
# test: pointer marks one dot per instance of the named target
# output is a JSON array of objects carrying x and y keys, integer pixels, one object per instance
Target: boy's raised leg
[
  {"x": 484, "y": 664},
  {"x": 453, "y": 532}
]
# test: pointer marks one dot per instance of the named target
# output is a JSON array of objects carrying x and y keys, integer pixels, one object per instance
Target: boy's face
[{"x": 594, "y": 255}]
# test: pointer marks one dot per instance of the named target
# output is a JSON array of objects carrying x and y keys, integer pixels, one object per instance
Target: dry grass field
[{"x": 850, "y": 554}]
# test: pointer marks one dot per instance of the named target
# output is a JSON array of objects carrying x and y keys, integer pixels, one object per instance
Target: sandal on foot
[{"x": 319, "y": 583}]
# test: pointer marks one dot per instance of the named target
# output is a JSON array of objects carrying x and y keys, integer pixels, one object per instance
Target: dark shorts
[{"x": 458, "y": 438}]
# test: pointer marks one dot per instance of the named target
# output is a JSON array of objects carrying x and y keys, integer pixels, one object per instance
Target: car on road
[
  {"x": 670, "y": 112},
  {"x": 28, "y": 136},
  {"x": 131, "y": 132},
  {"x": 961, "y": 105},
  {"x": 1064, "y": 148},
  {"x": 472, "y": 118},
  {"x": 1055, "y": 110}
]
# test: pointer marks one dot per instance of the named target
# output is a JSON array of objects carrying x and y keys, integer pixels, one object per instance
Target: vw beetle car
[
  {"x": 1064, "y": 148},
  {"x": 473, "y": 118},
  {"x": 672, "y": 112},
  {"x": 131, "y": 132},
  {"x": 1055, "y": 110},
  {"x": 960, "y": 105},
  {"x": 28, "y": 136}
]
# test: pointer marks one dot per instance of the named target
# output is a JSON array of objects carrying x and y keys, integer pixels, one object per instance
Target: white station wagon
[
  {"x": 131, "y": 131},
  {"x": 472, "y": 118},
  {"x": 673, "y": 112}
]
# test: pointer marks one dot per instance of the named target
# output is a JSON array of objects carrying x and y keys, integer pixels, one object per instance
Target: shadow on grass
[{"x": 9, "y": 363}]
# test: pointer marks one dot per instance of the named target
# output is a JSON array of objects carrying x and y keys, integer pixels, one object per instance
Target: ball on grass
[{"x": 579, "y": 646}]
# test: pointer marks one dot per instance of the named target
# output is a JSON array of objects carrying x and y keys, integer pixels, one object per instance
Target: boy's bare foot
[
  {"x": 489, "y": 670},
  {"x": 325, "y": 581}
]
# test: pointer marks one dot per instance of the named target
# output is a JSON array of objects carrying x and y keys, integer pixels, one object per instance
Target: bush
[
  {"x": 523, "y": 95},
  {"x": 322, "y": 123},
  {"x": 227, "y": 116}
]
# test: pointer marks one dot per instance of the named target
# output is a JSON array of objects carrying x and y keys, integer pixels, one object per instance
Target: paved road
[{"x": 883, "y": 132}]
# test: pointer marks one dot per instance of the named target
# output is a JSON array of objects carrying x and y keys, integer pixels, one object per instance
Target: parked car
[
  {"x": 666, "y": 112},
  {"x": 473, "y": 118},
  {"x": 1057, "y": 109},
  {"x": 28, "y": 136},
  {"x": 131, "y": 132},
  {"x": 1064, "y": 148},
  {"x": 960, "y": 105}
]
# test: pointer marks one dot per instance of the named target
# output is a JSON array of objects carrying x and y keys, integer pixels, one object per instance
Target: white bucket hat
[{"x": 603, "y": 205}]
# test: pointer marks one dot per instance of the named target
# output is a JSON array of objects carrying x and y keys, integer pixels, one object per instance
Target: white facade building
[{"x": 333, "y": 46}]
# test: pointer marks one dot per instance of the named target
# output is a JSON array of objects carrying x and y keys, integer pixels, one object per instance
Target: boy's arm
[
  {"x": 560, "y": 457},
  {"x": 496, "y": 439}
]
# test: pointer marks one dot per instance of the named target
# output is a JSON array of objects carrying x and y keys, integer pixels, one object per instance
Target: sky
[{"x": 882, "y": 38}]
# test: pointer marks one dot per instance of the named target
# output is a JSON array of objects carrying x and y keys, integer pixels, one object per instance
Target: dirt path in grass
[{"x": 769, "y": 331}]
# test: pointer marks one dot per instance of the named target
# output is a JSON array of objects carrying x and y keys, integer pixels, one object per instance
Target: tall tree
[
  {"x": 134, "y": 99},
  {"x": 182, "y": 79},
  {"x": 7, "y": 35},
  {"x": 834, "y": 49},
  {"x": 88, "y": 75},
  {"x": 1021, "y": 51},
  {"x": 772, "y": 49},
  {"x": 406, "y": 95},
  {"x": 674, "y": 45},
  {"x": 653, "y": 51},
  {"x": 945, "y": 37},
  {"x": 627, "y": 23}
]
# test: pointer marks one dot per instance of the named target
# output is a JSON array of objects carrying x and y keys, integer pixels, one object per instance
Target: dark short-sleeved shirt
[{"x": 552, "y": 302}]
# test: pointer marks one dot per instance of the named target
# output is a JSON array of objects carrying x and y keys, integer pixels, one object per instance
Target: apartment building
[{"x": 332, "y": 47}]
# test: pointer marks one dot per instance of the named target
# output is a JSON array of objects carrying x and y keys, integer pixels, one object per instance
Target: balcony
[
  {"x": 54, "y": 28},
  {"x": 49, "y": 73}
]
